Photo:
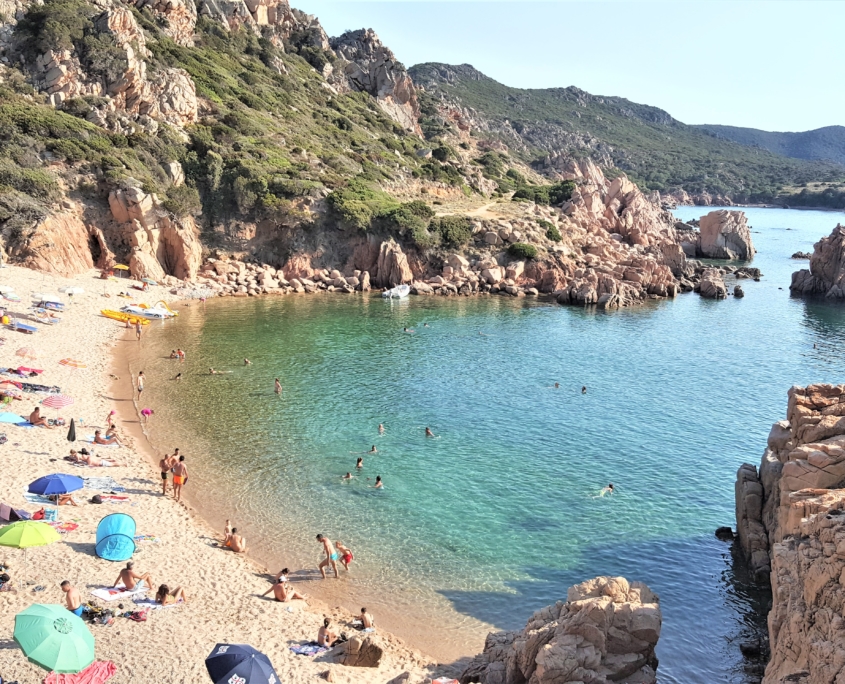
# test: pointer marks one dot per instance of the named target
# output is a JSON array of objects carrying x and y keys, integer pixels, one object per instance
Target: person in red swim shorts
[{"x": 346, "y": 555}]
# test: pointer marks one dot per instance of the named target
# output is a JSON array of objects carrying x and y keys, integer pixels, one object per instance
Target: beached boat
[
  {"x": 148, "y": 311},
  {"x": 398, "y": 292},
  {"x": 123, "y": 317}
]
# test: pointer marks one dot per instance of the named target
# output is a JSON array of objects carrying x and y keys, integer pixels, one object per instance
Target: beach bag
[
  {"x": 38, "y": 515},
  {"x": 50, "y": 515}
]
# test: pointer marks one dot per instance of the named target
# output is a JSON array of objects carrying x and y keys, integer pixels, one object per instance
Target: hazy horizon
[{"x": 765, "y": 65}]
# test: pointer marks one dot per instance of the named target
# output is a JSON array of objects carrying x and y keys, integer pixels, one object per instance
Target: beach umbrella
[
  {"x": 121, "y": 267},
  {"x": 71, "y": 290},
  {"x": 54, "y": 638},
  {"x": 71, "y": 433},
  {"x": 57, "y": 401},
  {"x": 6, "y": 289},
  {"x": 149, "y": 281},
  {"x": 26, "y": 534},
  {"x": 57, "y": 483},
  {"x": 27, "y": 353},
  {"x": 46, "y": 297},
  {"x": 239, "y": 663},
  {"x": 72, "y": 363}
]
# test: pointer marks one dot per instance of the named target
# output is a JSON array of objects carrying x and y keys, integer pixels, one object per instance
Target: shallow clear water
[{"x": 498, "y": 514}]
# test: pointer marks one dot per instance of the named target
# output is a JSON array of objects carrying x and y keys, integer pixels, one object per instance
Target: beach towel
[
  {"x": 90, "y": 440},
  {"x": 119, "y": 592},
  {"x": 103, "y": 484},
  {"x": 150, "y": 603},
  {"x": 146, "y": 538},
  {"x": 38, "y": 499},
  {"x": 311, "y": 649},
  {"x": 63, "y": 527},
  {"x": 25, "y": 424},
  {"x": 96, "y": 673}
]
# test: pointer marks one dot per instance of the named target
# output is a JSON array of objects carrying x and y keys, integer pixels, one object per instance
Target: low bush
[
  {"x": 182, "y": 200},
  {"x": 552, "y": 233},
  {"x": 455, "y": 231},
  {"x": 522, "y": 250},
  {"x": 357, "y": 204}
]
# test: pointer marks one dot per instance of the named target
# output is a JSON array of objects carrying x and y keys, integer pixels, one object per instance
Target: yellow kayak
[{"x": 123, "y": 317}]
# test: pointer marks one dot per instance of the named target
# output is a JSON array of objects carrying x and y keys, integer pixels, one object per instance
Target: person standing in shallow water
[
  {"x": 278, "y": 387},
  {"x": 180, "y": 477},
  {"x": 331, "y": 556},
  {"x": 584, "y": 389}
]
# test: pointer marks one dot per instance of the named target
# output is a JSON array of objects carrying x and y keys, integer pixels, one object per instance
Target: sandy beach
[{"x": 224, "y": 589}]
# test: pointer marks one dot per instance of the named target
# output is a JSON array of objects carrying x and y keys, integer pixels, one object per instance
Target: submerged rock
[{"x": 604, "y": 632}]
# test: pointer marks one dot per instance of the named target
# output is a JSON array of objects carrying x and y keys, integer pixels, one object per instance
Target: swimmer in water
[
  {"x": 606, "y": 490},
  {"x": 373, "y": 450},
  {"x": 380, "y": 428},
  {"x": 425, "y": 325},
  {"x": 556, "y": 385},
  {"x": 348, "y": 476},
  {"x": 247, "y": 362},
  {"x": 360, "y": 463},
  {"x": 428, "y": 432},
  {"x": 379, "y": 484},
  {"x": 409, "y": 330},
  {"x": 584, "y": 390}
]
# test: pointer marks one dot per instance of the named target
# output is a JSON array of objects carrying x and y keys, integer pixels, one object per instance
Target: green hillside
[{"x": 655, "y": 150}]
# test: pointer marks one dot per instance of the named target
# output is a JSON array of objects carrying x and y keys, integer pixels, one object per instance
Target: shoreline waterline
[{"x": 448, "y": 644}]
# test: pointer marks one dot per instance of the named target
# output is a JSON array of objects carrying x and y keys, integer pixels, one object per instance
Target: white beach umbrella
[
  {"x": 6, "y": 289},
  {"x": 71, "y": 290},
  {"x": 46, "y": 297}
]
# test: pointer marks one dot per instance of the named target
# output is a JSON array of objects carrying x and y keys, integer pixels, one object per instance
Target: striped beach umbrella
[
  {"x": 27, "y": 353},
  {"x": 72, "y": 363},
  {"x": 57, "y": 401}
]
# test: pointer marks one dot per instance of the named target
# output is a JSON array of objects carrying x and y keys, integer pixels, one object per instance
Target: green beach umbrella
[
  {"x": 54, "y": 638},
  {"x": 27, "y": 533}
]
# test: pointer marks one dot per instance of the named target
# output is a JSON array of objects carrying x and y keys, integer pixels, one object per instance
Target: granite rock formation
[
  {"x": 791, "y": 526},
  {"x": 371, "y": 67},
  {"x": 712, "y": 286},
  {"x": 604, "y": 632},
  {"x": 826, "y": 275},
  {"x": 726, "y": 235}
]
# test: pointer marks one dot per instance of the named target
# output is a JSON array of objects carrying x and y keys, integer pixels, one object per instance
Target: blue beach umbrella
[
  {"x": 57, "y": 483},
  {"x": 229, "y": 663}
]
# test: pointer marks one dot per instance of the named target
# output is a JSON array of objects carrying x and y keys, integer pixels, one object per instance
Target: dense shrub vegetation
[
  {"x": 552, "y": 233},
  {"x": 522, "y": 250}
]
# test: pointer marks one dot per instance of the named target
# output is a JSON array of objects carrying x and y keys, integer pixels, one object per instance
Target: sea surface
[{"x": 500, "y": 512}]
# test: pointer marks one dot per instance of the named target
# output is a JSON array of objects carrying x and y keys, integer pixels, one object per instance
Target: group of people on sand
[
  {"x": 232, "y": 540},
  {"x": 131, "y": 581},
  {"x": 173, "y": 463}
]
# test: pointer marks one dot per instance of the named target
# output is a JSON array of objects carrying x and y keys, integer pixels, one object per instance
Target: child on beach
[{"x": 346, "y": 556}]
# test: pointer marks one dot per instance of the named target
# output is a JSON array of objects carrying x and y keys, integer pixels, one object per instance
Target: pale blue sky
[{"x": 770, "y": 65}]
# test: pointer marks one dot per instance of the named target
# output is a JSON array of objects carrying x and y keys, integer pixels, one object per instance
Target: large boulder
[
  {"x": 826, "y": 275},
  {"x": 604, "y": 632},
  {"x": 392, "y": 266},
  {"x": 361, "y": 650},
  {"x": 725, "y": 235},
  {"x": 712, "y": 286}
]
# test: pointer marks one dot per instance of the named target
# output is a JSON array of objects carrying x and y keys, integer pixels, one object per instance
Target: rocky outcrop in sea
[
  {"x": 826, "y": 275},
  {"x": 604, "y": 632},
  {"x": 791, "y": 529}
]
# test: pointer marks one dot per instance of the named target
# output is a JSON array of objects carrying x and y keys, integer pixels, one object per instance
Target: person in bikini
[
  {"x": 108, "y": 440},
  {"x": 331, "y": 556},
  {"x": 92, "y": 460},
  {"x": 346, "y": 556},
  {"x": 166, "y": 595},
  {"x": 131, "y": 579},
  {"x": 180, "y": 477}
]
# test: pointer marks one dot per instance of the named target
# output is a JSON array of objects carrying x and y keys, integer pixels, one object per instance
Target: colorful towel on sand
[
  {"x": 38, "y": 499},
  {"x": 119, "y": 592},
  {"x": 96, "y": 673},
  {"x": 147, "y": 602},
  {"x": 311, "y": 649},
  {"x": 63, "y": 527},
  {"x": 103, "y": 484},
  {"x": 146, "y": 539}
]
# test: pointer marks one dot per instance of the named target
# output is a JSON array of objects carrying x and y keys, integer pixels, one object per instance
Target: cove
[{"x": 499, "y": 514}]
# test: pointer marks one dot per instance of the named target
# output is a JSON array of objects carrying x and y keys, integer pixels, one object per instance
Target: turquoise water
[{"x": 499, "y": 514}]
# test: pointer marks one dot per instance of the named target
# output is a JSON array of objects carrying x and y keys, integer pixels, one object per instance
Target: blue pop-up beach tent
[{"x": 115, "y": 537}]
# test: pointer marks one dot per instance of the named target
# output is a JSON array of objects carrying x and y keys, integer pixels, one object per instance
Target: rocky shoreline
[{"x": 790, "y": 517}]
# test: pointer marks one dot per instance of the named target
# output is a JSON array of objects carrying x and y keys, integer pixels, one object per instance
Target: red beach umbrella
[{"x": 57, "y": 401}]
